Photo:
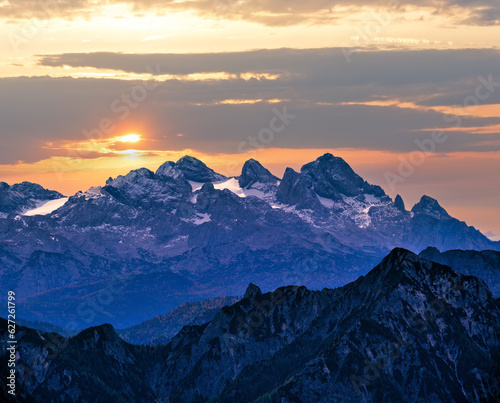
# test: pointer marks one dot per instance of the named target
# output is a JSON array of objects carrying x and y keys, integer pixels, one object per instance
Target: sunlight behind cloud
[{"x": 130, "y": 138}]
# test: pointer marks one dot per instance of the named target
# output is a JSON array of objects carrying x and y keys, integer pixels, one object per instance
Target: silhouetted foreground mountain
[
  {"x": 148, "y": 241},
  {"x": 411, "y": 330},
  {"x": 485, "y": 264}
]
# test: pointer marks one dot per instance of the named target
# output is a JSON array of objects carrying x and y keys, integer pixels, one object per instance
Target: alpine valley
[{"x": 147, "y": 242}]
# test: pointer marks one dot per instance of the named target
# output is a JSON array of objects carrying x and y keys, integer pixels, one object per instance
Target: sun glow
[{"x": 130, "y": 138}]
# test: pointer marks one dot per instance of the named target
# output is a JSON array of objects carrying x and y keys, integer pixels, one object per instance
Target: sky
[{"x": 407, "y": 92}]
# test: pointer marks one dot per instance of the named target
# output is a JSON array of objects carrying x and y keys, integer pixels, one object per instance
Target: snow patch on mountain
[
  {"x": 358, "y": 211},
  {"x": 196, "y": 185},
  {"x": 372, "y": 199},
  {"x": 232, "y": 185},
  {"x": 328, "y": 203},
  {"x": 200, "y": 219},
  {"x": 95, "y": 192},
  {"x": 47, "y": 207},
  {"x": 257, "y": 190}
]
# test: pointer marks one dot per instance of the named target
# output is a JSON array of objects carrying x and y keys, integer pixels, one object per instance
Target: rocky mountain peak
[
  {"x": 332, "y": 178},
  {"x": 397, "y": 264},
  {"x": 253, "y": 172},
  {"x": 169, "y": 170},
  {"x": 196, "y": 171},
  {"x": 96, "y": 334},
  {"x": 34, "y": 190},
  {"x": 252, "y": 291},
  {"x": 429, "y": 206},
  {"x": 328, "y": 177},
  {"x": 399, "y": 255},
  {"x": 402, "y": 268},
  {"x": 296, "y": 189},
  {"x": 399, "y": 203}
]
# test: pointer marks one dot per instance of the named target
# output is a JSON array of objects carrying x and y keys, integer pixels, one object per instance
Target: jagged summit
[
  {"x": 189, "y": 168},
  {"x": 332, "y": 178},
  {"x": 142, "y": 186},
  {"x": 297, "y": 190},
  {"x": 399, "y": 203},
  {"x": 401, "y": 254},
  {"x": 404, "y": 269},
  {"x": 196, "y": 171},
  {"x": 327, "y": 179},
  {"x": 253, "y": 172},
  {"x": 252, "y": 291},
  {"x": 429, "y": 206},
  {"x": 169, "y": 170},
  {"x": 397, "y": 263},
  {"x": 95, "y": 335},
  {"x": 400, "y": 259}
]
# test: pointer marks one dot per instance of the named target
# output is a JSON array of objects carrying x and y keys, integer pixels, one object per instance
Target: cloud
[
  {"x": 312, "y": 65},
  {"x": 47, "y": 9},
  {"x": 380, "y": 101},
  {"x": 484, "y": 15},
  {"x": 266, "y": 12}
]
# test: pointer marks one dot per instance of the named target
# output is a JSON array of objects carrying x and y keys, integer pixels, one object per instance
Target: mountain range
[
  {"x": 146, "y": 242},
  {"x": 409, "y": 330}
]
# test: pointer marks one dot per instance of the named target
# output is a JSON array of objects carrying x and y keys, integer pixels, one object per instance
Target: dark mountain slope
[{"x": 411, "y": 330}]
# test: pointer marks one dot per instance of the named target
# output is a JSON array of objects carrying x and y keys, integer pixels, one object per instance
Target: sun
[{"x": 130, "y": 138}]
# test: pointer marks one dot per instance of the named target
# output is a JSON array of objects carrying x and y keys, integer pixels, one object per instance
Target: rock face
[
  {"x": 196, "y": 171},
  {"x": 23, "y": 196},
  {"x": 399, "y": 203},
  {"x": 252, "y": 291},
  {"x": 332, "y": 178},
  {"x": 185, "y": 233},
  {"x": 253, "y": 172},
  {"x": 430, "y": 207},
  {"x": 329, "y": 178},
  {"x": 410, "y": 330}
]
